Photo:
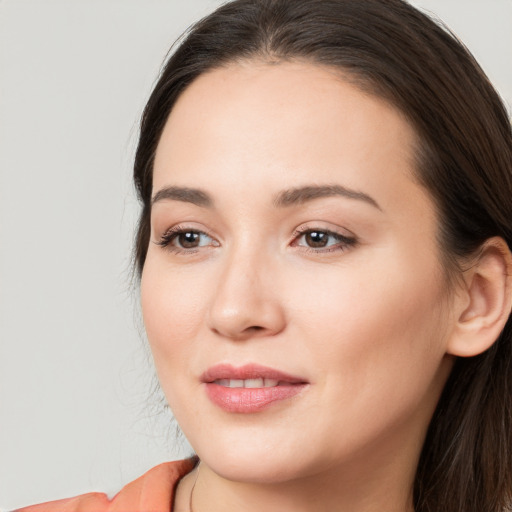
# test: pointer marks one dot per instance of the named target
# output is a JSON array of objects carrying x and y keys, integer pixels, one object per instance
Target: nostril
[{"x": 236, "y": 319}]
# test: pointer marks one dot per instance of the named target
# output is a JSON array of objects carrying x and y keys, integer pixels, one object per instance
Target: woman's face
[{"x": 293, "y": 254}]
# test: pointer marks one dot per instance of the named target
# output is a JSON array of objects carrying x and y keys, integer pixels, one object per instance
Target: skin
[{"x": 367, "y": 323}]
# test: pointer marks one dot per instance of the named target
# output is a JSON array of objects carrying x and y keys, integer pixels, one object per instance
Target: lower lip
[{"x": 248, "y": 400}]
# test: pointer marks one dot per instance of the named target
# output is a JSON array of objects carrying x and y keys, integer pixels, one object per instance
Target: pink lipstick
[{"x": 249, "y": 388}]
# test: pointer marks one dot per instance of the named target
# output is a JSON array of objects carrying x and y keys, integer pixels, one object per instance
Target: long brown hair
[{"x": 464, "y": 160}]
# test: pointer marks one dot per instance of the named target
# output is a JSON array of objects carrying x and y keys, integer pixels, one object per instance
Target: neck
[
  {"x": 359, "y": 486},
  {"x": 308, "y": 496}
]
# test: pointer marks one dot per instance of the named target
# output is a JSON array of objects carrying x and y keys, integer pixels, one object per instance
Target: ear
[{"x": 486, "y": 300}]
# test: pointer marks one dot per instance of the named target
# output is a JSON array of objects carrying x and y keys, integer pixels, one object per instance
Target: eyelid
[
  {"x": 324, "y": 227},
  {"x": 345, "y": 240},
  {"x": 166, "y": 238}
]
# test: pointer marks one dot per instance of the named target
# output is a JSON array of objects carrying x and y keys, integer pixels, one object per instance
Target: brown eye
[
  {"x": 316, "y": 238},
  {"x": 323, "y": 240},
  {"x": 178, "y": 239},
  {"x": 188, "y": 239}
]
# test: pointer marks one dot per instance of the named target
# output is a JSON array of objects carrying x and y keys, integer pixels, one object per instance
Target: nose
[{"x": 246, "y": 302}]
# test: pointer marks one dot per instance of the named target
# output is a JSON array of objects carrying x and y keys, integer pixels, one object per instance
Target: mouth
[
  {"x": 250, "y": 388},
  {"x": 249, "y": 375},
  {"x": 247, "y": 383}
]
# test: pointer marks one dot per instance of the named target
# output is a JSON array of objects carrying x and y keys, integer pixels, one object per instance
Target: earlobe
[{"x": 487, "y": 300}]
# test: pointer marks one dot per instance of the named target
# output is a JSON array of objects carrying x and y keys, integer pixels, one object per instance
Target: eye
[
  {"x": 190, "y": 239},
  {"x": 318, "y": 239},
  {"x": 322, "y": 239},
  {"x": 185, "y": 239}
]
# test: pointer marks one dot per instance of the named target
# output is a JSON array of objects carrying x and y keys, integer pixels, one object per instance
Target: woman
[{"x": 325, "y": 269}]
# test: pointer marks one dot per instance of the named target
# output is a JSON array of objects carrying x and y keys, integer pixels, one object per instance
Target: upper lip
[{"x": 248, "y": 371}]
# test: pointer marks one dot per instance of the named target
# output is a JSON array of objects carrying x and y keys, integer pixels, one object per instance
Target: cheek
[
  {"x": 171, "y": 308},
  {"x": 376, "y": 340},
  {"x": 172, "y": 313},
  {"x": 379, "y": 330}
]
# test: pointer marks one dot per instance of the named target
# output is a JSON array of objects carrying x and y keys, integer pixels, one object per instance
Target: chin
[
  {"x": 258, "y": 467},
  {"x": 254, "y": 455}
]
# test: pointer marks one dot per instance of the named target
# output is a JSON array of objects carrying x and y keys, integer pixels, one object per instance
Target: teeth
[
  {"x": 247, "y": 383},
  {"x": 253, "y": 383}
]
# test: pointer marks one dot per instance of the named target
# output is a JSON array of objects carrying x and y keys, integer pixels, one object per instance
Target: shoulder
[{"x": 151, "y": 492}]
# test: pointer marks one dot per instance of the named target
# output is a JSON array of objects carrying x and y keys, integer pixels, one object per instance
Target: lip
[
  {"x": 249, "y": 400},
  {"x": 248, "y": 371}
]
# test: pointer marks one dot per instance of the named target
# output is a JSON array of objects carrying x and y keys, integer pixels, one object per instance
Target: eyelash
[
  {"x": 342, "y": 242},
  {"x": 173, "y": 233}
]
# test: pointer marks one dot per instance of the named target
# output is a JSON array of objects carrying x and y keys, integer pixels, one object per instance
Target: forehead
[{"x": 267, "y": 124}]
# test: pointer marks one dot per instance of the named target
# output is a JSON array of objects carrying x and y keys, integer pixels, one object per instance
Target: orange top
[{"x": 152, "y": 492}]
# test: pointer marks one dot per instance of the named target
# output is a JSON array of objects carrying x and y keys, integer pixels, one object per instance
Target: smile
[
  {"x": 247, "y": 383},
  {"x": 250, "y": 388}
]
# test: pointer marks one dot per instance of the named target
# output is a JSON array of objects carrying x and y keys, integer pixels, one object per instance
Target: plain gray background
[{"x": 76, "y": 409}]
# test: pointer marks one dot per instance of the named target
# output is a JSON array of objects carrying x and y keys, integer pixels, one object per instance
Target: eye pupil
[
  {"x": 317, "y": 238},
  {"x": 188, "y": 239}
]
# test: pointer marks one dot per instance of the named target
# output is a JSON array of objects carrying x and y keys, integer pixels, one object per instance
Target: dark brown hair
[{"x": 464, "y": 160}]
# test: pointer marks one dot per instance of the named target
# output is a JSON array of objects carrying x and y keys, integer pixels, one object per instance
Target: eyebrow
[
  {"x": 185, "y": 194},
  {"x": 307, "y": 193},
  {"x": 286, "y": 198}
]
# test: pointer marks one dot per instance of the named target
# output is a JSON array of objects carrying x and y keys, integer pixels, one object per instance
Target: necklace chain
[{"x": 192, "y": 490}]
